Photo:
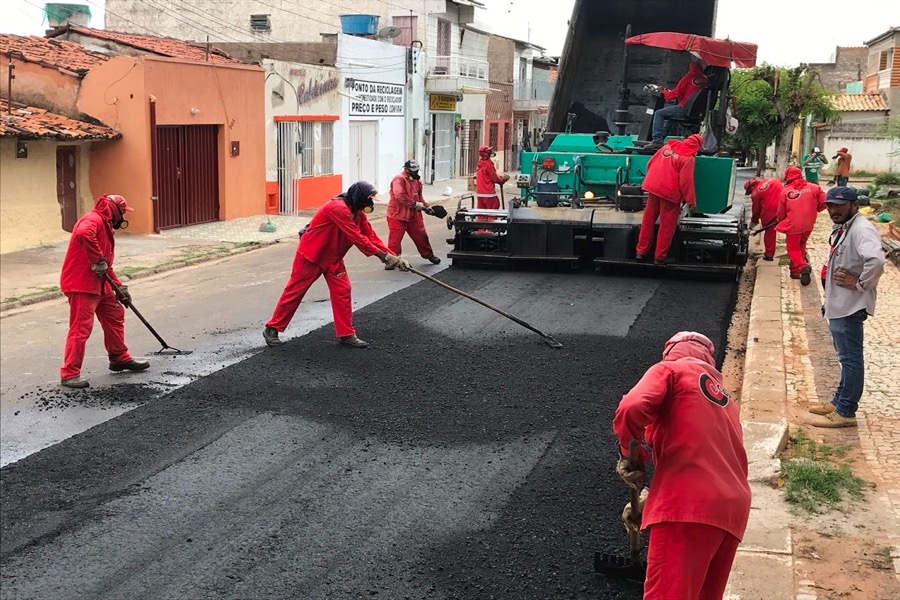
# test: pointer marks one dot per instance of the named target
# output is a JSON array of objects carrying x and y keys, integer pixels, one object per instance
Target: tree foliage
[{"x": 771, "y": 102}]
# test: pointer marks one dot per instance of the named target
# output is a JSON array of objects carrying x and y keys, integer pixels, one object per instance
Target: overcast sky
[{"x": 788, "y": 32}]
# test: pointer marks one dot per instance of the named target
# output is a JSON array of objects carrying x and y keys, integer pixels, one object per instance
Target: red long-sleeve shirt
[
  {"x": 688, "y": 85},
  {"x": 333, "y": 230},
  {"x": 765, "y": 199},
  {"x": 92, "y": 240},
  {"x": 486, "y": 177},
  {"x": 800, "y": 205},
  {"x": 693, "y": 428},
  {"x": 670, "y": 172},
  {"x": 405, "y": 193}
]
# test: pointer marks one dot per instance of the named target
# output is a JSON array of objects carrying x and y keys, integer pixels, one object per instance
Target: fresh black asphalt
[{"x": 457, "y": 457}]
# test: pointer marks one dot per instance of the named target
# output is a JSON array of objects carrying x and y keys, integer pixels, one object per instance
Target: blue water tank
[{"x": 359, "y": 24}]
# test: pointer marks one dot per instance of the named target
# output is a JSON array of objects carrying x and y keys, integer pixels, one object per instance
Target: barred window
[
  {"x": 307, "y": 149},
  {"x": 326, "y": 149}
]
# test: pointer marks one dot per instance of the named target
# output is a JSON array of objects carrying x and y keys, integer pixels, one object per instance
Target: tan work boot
[
  {"x": 821, "y": 408},
  {"x": 75, "y": 383},
  {"x": 353, "y": 342},
  {"x": 831, "y": 421}
]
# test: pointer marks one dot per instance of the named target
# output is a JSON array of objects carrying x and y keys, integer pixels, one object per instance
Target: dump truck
[{"x": 580, "y": 199}]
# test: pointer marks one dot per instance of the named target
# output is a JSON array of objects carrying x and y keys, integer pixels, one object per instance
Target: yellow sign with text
[{"x": 439, "y": 102}]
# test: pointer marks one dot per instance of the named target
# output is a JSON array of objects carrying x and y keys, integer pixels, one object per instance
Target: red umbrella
[{"x": 718, "y": 53}]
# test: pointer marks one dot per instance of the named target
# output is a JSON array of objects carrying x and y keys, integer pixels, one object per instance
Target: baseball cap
[
  {"x": 119, "y": 201},
  {"x": 411, "y": 165},
  {"x": 749, "y": 185},
  {"x": 843, "y": 150},
  {"x": 841, "y": 195}
]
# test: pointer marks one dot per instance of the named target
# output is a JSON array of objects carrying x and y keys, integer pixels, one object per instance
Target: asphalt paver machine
[{"x": 580, "y": 199}]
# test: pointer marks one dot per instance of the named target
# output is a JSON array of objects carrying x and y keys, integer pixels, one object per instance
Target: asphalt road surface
[{"x": 457, "y": 457}]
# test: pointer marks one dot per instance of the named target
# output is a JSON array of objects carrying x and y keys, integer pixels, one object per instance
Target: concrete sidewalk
[{"x": 31, "y": 276}]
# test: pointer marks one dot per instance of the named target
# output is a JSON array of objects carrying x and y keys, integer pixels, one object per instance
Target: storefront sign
[
  {"x": 374, "y": 99},
  {"x": 315, "y": 88},
  {"x": 445, "y": 103}
]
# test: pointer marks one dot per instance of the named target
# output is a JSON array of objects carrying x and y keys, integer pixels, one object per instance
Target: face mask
[
  {"x": 413, "y": 175},
  {"x": 121, "y": 222},
  {"x": 369, "y": 207}
]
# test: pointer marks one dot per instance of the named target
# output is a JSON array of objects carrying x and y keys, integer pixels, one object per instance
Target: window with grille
[
  {"x": 306, "y": 148},
  {"x": 260, "y": 23},
  {"x": 326, "y": 149},
  {"x": 494, "y": 136},
  {"x": 408, "y": 26}
]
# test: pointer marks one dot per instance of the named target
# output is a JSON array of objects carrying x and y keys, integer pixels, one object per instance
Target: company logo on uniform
[
  {"x": 713, "y": 390},
  {"x": 698, "y": 81},
  {"x": 793, "y": 195},
  {"x": 764, "y": 186},
  {"x": 667, "y": 153}
]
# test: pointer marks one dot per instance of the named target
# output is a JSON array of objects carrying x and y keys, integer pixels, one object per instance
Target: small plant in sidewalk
[{"x": 818, "y": 476}]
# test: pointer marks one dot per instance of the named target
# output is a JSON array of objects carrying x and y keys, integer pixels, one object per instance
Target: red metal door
[
  {"x": 66, "y": 191},
  {"x": 187, "y": 168}
]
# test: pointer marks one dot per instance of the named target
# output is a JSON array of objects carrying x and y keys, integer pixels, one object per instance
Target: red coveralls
[
  {"x": 765, "y": 198},
  {"x": 402, "y": 216},
  {"x": 485, "y": 179},
  {"x": 331, "y": 233},
  {"x": 92, "y": 240},
  {"x": 669, "y": 181},
  {"x": 692, "y": 81},
  {"x": 699, "y": 500},
  {"x": 800, "y": 203}
]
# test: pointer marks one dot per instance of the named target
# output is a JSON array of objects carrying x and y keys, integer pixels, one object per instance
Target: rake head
[{"x": 618, "y": 567}]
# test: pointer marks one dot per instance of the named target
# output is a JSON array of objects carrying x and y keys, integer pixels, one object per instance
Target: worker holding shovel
[
  {"x": 89, "y": 259},
  {"x": 404, "y": 213},
  {"x": 765, "y": 195},
  {"x": 699, "y": 501},
  {"x": 337, "y": 226}
]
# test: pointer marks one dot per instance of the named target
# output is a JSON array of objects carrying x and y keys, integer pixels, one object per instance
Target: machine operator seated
[{"x": 692, "y": 82}]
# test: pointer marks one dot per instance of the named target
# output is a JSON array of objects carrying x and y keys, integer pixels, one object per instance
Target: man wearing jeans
[
  {"x": 855, "y": 263},
  {"x": 691, "y": 83}
]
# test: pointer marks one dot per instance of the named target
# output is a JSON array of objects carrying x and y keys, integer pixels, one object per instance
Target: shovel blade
[{"x": 619, "y": 567}]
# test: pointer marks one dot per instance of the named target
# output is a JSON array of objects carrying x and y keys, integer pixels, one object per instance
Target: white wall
[
  {"x": 284, "y": 81},
  {"x": 385, "y": 63},
  {"x": 869, "y": 154}
]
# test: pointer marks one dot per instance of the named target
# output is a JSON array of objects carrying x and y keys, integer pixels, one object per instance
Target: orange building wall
[
  {"x": 232, "y": 97},
  {"x": 116, "y": 94},
  {"x": 39, "y": 86}
]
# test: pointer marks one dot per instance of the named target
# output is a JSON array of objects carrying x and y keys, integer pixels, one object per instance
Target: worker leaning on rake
[
  {"x": 89, "y": 258},
  {"x": 699, "y": 502}
]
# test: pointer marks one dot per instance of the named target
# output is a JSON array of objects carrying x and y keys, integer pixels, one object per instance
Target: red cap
[
  {"x": 842, "y": 150},
  {"x": 749, "y": 185},
  {"x": 119, "y": 201}
]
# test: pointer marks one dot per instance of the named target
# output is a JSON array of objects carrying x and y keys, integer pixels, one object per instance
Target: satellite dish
[{"x": 389, "y": 32}]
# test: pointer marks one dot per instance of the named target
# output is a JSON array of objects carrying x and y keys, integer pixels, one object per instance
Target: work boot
[
  {"x": 433, "y": 259},
  {"x": 387, "y": 268},
  {"x": 831, "y": 421},
  {"x": 640, "y": 258},
  {"x": 353, "y": 342},
  {"x": 131, "y": 365},
  {"x": 75, "y": 383},
  {"x": 821, "y": 408},
  {"x": 666, "y": 261},
  {"x": 769, "y": 258},
  {"x": 805, "y": 278},
  {"x": 270, "y": 334}
]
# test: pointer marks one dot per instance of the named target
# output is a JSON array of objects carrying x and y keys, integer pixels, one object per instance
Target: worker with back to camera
[
  {"x": 404, "y": 213},
  {"x": 669, "y": 182},
  {"x": 691, "y": 83},
  {"x": 89, "y": 258},
  {"x": 486, "y": 178},
  {"x": 765, "y": 195},
  {"x": 338, "y": 225},
  {"x": 812, "y": 163},
  {"x": 800, "y": 204},
  {"x": 698, "y": 504}
]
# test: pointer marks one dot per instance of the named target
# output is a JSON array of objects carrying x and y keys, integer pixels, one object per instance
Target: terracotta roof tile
[
  {"x": 156, "y": 45},
  {"x": 52, "y": 53},
  {"x": 28, "y": 122},
  {"x": 860, "y": 102}
]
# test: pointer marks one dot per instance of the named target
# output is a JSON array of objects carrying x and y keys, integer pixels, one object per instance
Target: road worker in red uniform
[
  {"x": 698, "y": 503},
  {"x": 486, "y": 178},
  {"x": 765, "y": 195},
  {"x": 339, "y": 224},
  {"x": 404, "y": 213},
  {"x": 669, "y": 182},
  {"x": 801, "y": 202},
  {"x": 692, "y": 82},
  {"x": 89, "y": 257}
]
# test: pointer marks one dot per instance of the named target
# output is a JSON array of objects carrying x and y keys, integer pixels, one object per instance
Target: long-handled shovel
[
  {"x": 166, "y": 349},
  {"x": 617, "y": 567},
  {"x": 772, "y": 224},
  {"x": 547, "y": 339}
]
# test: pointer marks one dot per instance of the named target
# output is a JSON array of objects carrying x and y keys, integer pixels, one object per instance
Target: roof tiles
[
  {"x": 52, "y": 53},
  {"x": 28, "y": 122},
  {"x": 860, "y": 102},
  {"x": 156, "y": 45}
]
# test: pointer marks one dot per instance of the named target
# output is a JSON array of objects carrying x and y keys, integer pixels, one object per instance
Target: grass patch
[
  {"x": 245, "y": 244},
  {"x": 129, "y": 271},
  {"x": 47, "y": 290},
  {"x": 12, "y": 299},
  {"x": 818, "y": 476}
]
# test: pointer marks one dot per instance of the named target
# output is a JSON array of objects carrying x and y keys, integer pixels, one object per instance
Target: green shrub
[{"x": 887, "y": 179}]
